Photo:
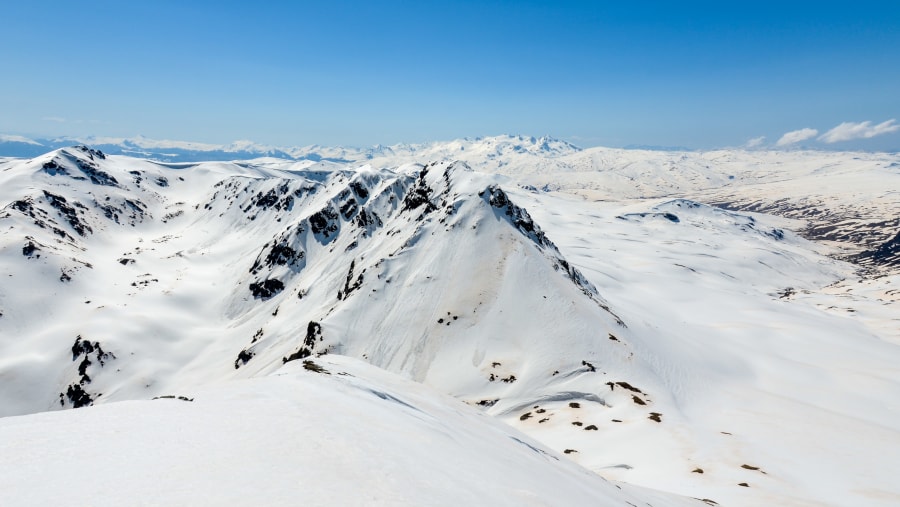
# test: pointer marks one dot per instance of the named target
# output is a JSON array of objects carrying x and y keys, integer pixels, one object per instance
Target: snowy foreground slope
[
  {"x": 333, "y": 431},
  {"x": 592, "y": 299}
]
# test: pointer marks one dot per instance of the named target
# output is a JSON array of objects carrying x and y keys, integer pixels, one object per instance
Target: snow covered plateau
[{"x": 490, "y": 321}]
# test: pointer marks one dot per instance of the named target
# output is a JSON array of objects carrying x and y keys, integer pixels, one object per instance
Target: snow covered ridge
[
  {"x": 185, "y": 151},
  {"x": 337, "y": 251},
  {"x": 644, "y": 334}
]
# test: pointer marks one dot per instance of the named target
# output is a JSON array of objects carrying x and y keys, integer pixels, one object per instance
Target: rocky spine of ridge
[{"x": 356, "y": 231}]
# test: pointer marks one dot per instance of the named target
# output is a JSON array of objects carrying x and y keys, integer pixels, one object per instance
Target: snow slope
[
  {"x": 332, "y": 431},
  {"x": 592, "y": 299}
]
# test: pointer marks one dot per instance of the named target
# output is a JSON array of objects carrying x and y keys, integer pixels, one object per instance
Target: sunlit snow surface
[
  {"x": 621, "y": 321},
  {"x": 332, "y": 432}
]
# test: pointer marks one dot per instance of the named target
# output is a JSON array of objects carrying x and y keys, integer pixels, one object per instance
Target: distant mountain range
[{"x": 184, "y": 151}]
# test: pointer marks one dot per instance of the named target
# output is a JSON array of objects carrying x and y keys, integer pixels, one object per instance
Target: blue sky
[{"x": 693, "y": 74}]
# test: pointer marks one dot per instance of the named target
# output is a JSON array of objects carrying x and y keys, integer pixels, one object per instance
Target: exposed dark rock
[
  {"x": 366, "y": 218},
  {"x": 266, "y": 288},
  {"x": 324, "y": 222},
  {"x": 359, "y": 189},
  {"x": 109, "y": 211},
  {"x": 313, "y": 331},
  {"x": 419, "y": 195},
  {"x": 626, "y": 385},
  {"x": 519, "y": 217},
  {"x": 138, "y": 209},
  {"x": 54, "y": 169},
  {"x": 349, "y": 208},
  {"x": 277, "y": 198},
  {"x": 671, "y": 217},
  {"x": 888, "y": 253},
  {"x": 257, "y": 336},
  {"x": 93, "y": 172},
  {"x": 348, "y": 286},
  {"x": 29, "y": 249},
  {"x": 875, "y": 234},
  {"x": 242, "y": 358},
  {"x": 91, "y": 153},
  {"x": 84, "y": 348},
  {"x": 82, "y": 370},
  {"x": 25, "y": 206},
  {"x": 300, "y": 354},
  {"x": 68, "y": 212},
  {"x": 173, "y": 397},
  {"x": 77, "y": 396},
  {"x": 313, "y": 334},
  {"x": 279, "y": 254},
  {"x": 313, "y": 367}
]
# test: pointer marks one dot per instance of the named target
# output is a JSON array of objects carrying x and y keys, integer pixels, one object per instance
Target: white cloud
[
  {"x": 795, "y": 136},
  {"x": 849, "y": 130},
  {"x": 756, "y": 142},
  {"x": 4, "y": 138},
  {"x": 56, "y": 119}
]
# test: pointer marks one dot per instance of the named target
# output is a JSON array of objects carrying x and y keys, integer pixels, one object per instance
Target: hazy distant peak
[{"x": 185, "y": 151}]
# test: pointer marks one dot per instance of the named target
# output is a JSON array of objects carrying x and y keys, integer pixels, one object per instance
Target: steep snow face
[{"x": 332, "y": 431}]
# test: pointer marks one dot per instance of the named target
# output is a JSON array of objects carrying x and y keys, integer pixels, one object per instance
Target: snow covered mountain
[
  {"x": 488, "y": 148},
  {"x": 594, "y": 300}
]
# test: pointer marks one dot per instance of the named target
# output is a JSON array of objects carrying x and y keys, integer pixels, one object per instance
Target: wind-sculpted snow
[{"x": 644, "y": 338}]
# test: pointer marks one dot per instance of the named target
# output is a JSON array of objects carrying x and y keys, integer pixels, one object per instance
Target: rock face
[{"x": 886, "y": 254}]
